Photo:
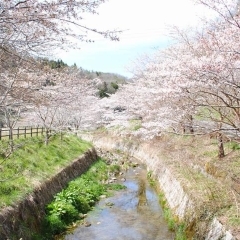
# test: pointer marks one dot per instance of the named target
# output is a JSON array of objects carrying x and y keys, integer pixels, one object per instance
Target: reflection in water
[
  {"x": 134, "y": 214},
  {"x": 142, "y": 197}
]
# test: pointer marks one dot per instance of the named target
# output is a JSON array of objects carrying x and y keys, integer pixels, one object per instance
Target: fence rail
[{"x": 6, "y": 133}]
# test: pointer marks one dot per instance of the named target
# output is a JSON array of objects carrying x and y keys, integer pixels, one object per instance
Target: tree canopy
[{"x": 37, "y": 26}]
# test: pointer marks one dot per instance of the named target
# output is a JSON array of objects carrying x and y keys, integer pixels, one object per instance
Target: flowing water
[{"x": 131, "y": 214}]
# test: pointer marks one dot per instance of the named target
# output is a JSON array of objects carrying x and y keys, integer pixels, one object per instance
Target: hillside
[{"x": 45, "y": 83}]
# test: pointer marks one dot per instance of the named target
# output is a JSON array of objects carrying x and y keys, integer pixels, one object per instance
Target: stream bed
[{"x": 131, "y": 214}]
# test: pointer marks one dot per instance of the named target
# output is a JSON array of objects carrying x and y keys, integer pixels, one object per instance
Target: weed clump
[{"x": 172, "y": 221}]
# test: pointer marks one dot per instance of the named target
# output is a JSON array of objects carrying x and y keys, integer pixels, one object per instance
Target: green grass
[
  {"x": 206, "y": 113},
  {"x": 232, "y": 145},
  {"x": 151, "y": 179},
  {"x": 135, "y": 124},
  {"x": 234, "y": 220},
  {"x": 33, "y": 162},
  {"x": 173, "y": 223}
]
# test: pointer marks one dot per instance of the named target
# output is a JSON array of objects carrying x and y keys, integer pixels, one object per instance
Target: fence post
[{"x": 23, "y": 131}]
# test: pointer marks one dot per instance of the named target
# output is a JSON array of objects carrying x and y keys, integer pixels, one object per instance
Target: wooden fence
[{"x": 6, "y": 133}]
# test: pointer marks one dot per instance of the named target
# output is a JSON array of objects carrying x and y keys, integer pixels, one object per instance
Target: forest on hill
[{"x": 47, "y": 87}]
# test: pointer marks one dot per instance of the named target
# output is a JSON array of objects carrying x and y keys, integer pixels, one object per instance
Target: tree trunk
[
  {"x": 47, "y": 136},
  {"x": 221, "y": 153},
  {"x": 190, "y": 124},
  {"x": 11, "y": 138}
]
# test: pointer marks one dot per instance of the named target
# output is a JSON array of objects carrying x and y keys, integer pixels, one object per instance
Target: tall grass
[{"x": 33, "y": 162}]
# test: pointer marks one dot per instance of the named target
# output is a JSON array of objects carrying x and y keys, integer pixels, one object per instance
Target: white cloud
[
  {"x": 145, "y": 23},
  {"x": 143, "y": 19}
]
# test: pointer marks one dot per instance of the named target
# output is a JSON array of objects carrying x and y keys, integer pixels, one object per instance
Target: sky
[{"x": 145, "y": 25}]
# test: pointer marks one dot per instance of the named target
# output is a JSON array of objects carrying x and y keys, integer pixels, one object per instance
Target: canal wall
[
  {"x": 20, "y": 220},
  {"x": 181, "y": 203}
]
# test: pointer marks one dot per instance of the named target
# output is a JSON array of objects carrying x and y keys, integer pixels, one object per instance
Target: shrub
[
  {"x": 82, "y": 205},
  {"x": 54, "y": 224}
]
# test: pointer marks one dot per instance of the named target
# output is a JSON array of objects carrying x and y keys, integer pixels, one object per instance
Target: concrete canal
[{"x": 131, "y": 214}]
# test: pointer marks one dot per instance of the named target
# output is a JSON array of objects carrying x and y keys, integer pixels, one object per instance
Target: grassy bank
[
  {"x": 33, "y": 162},
  {"x": 211, "y": 183}
]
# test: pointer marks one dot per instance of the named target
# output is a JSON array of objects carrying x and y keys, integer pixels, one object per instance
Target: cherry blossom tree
[
  {"x": 30, "y": 29},
  {"x": 194, "y": 84},
  {"x": 61, "y": 105},
  {"x": 36, "y": 26}
]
